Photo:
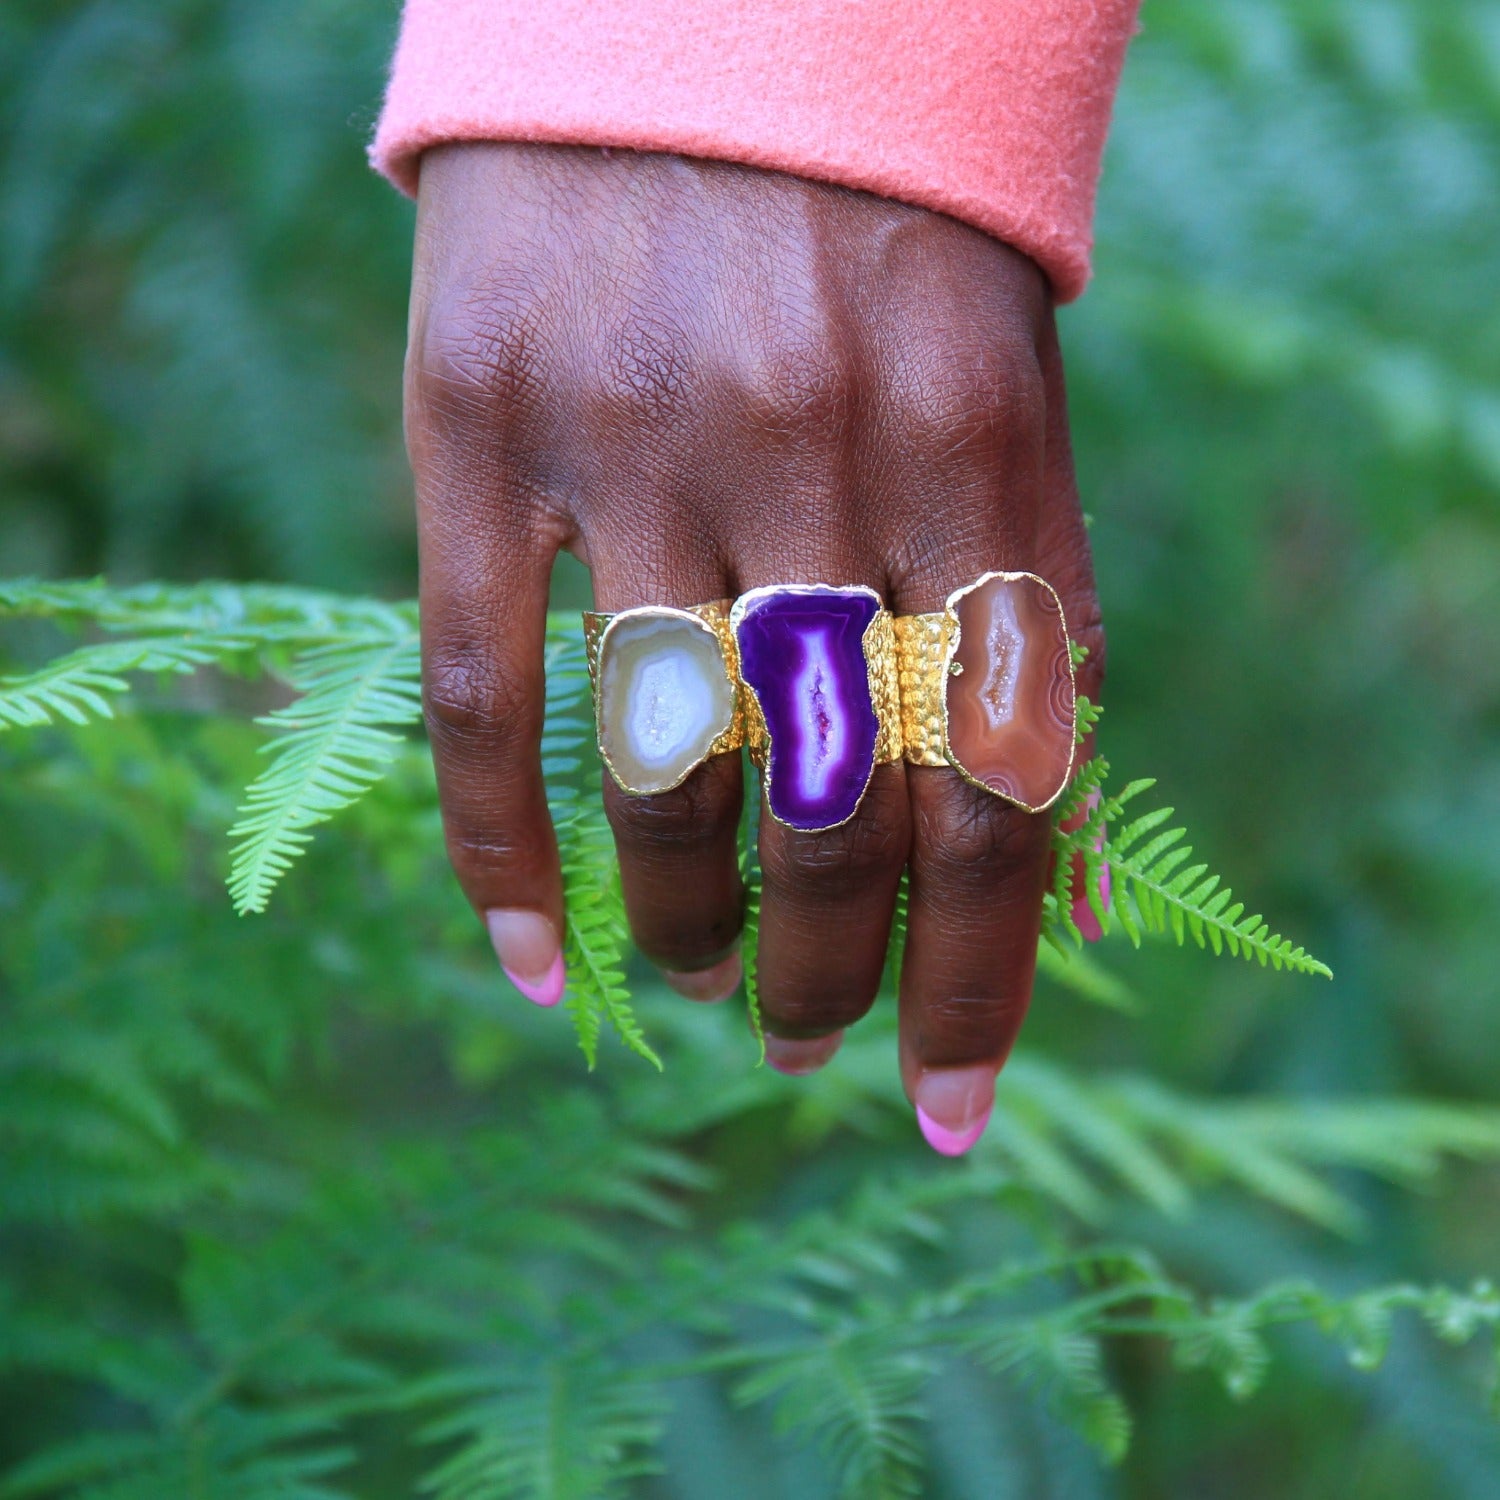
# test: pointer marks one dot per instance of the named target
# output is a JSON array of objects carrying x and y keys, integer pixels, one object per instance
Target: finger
[
  {"x": 487, "y": 548},
  {"x": 678, "y": 849},
  {"x": 978, "y": 875},
  {"x": 979, "y": 864},
  {"x": 827, "y": 901},
  {"x": 921, "y": 453}
]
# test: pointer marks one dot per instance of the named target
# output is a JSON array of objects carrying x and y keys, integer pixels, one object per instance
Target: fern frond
[
  {"x": 1153, "y": 887},
  {"x": 337, "y": 744},
  {"x": 240, "y": 1454},
  {"x": 553, "y": 1432},
  {"x": 1227, "y": 1336},
  {"x": 1088, "y": 715},
  {"x": 750, "y": 955},
  {"x": 262, "y": 613},
  {"x": 569, "y": 763},
  {"x": 598, "y": 938},
  {"x": 78, "y": 686},
  {"x": 597, "y": 941},
  {"x": 1091, "y": 1124},
  {"x": 1065, "y": 1366},
  {"x": 858, "y": 1396},
  {"x": 1070, "y": 850},
  {"x": 1172, "y": 896}
]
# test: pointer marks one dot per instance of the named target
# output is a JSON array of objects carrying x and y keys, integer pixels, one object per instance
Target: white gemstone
[{"x": 664, "y": 696}]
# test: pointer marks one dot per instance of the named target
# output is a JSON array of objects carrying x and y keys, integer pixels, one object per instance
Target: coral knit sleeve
[{"x": 993, "y": 111}]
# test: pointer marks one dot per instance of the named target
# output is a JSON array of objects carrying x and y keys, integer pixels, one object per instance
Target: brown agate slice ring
[
  {"x": 666, "y": 692},
  {"x": 987, "y": 688}
]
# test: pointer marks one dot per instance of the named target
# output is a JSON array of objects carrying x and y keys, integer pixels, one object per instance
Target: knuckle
[
  {"x": 804, "y": 389},
  {"x": 472, "y": 850},
  {"x": 645, "y": 369},
  {"x": 479, "y": 348},
  {"x": 866, "y": 851},
  {"x": 469, "y": 694},
  {"x": 685, "y": 817},
  {"x": 933, "y": 560},
  {"x": 818, "y": 993},
  {"x": 960, "y": 1027},
  {"x": 967, "y": 836},
  {"x": 971, "y": 397}
]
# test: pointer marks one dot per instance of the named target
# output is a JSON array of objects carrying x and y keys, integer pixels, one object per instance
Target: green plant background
[{"x": 312, "y": 1204}]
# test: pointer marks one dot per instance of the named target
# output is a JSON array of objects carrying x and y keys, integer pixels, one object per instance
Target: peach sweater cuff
[{"x": 992, "y": 111}]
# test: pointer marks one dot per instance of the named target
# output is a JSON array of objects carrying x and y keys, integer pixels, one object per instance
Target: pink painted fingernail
[
  {"x": 798, "y": 1056},
  {"x": 526, "y": 945},
  {"x": 708, "y": 986},
  {"x": 953, "y": 1106}
]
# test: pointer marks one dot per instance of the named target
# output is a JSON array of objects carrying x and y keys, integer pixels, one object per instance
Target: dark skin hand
[{"x": 700, "y": 378}]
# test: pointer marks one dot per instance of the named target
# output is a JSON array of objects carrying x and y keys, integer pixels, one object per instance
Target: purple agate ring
[{"x": 810, "y": 661}]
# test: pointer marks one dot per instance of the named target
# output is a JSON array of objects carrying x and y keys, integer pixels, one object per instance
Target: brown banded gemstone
[{"x": 1011, "y": 707}]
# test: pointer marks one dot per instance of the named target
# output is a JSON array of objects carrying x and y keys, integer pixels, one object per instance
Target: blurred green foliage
[{"x": 249, "y": 1169}]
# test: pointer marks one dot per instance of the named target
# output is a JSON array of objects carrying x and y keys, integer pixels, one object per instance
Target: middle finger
[{"x": 828, "y": 893}]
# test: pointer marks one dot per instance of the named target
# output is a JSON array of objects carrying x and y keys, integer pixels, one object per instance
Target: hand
[{"x": 699, "y": 378}]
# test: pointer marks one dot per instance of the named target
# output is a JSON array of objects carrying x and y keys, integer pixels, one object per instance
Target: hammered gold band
[
  {"x": 984, "y": 686},
  {"x": 922, "y": 644}
]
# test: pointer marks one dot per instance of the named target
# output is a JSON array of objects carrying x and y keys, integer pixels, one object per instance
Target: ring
[
  {"x": 822, "y": 704},
  {"x": 666, "y": 692},
  {"x": 987, "y": 688}
]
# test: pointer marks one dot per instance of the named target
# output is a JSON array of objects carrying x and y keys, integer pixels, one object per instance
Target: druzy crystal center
[
  {"x": 1011, "y": 706},
  {"x": 802, "y": 654},
  {"x": 664, "y": 697}
]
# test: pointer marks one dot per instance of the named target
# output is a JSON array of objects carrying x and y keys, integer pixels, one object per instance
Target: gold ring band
[{"x": 822, "y": 683}]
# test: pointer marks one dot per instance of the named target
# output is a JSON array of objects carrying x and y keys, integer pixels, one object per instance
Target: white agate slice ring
[{"x": 666, "y": 692}]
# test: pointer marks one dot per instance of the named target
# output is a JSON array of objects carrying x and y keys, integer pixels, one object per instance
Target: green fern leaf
[
  {"x": 750, "y": 946},
  {"x": 1065, "y": 1366},
  {"x": 1154, "y": 887},
  {"x": 858, "y": 1397},
  {"x": 598, "y": 937},
  {"x": 77, "y": 687},
  {"x": 597, "y": 941},
  {"x": 557, "y": 1432},
  {"x": 1171, "y": 896},
  {"x": 335, "y": 747}
]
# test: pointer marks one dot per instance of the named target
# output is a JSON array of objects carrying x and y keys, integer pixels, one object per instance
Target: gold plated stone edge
[
  {"x": 879, "y": 646},
  {"x": 926, "y": 647},
  {"x": 715, "y": 616}
]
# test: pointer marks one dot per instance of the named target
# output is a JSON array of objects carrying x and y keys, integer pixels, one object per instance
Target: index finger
[{"x": 487, "y": 550}]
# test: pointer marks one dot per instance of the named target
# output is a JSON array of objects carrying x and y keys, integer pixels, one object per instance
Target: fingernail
[
  {"x": 708, "y": 985},
  {"x": 798, "y": 1056},
  {"x": 953, "y": 1106},
  {"x": 527, "y": 947}
]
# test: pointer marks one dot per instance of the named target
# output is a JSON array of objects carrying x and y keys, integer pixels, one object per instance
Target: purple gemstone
[{"x": 802, "y": 652}]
